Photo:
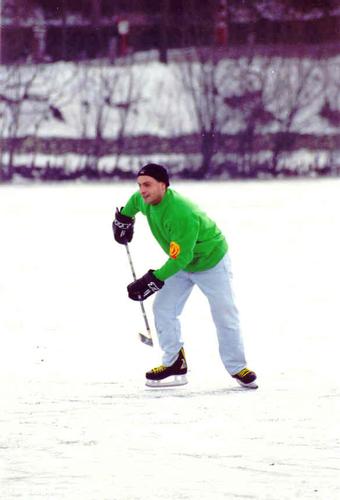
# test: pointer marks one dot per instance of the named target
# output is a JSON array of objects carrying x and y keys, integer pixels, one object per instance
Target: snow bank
[{"x": 77, "y": 100}]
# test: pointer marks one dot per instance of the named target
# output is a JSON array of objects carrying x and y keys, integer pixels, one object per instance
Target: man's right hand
[{"x": 122, "y": 228}]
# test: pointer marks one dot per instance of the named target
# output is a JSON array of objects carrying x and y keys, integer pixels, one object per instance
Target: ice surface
[{"x": 76, "y": 420}]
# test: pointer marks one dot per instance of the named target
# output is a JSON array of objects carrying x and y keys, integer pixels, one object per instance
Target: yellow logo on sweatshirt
[{"x": 175, "y": 250}]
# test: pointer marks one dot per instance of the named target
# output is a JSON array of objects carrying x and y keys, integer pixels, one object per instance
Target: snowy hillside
[
  {"x": 76, "y": 420},
  {"x": 73, "y": 100},
  {"x": 250, "y": 96}
]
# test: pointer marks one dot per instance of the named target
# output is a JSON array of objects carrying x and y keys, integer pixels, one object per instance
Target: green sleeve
[{"x": 183, "y": 233}]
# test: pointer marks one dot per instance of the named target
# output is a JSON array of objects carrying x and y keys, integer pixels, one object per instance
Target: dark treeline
[{"x": 52, "y": 30}]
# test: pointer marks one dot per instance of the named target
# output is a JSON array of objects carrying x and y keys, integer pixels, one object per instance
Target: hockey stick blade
[{"x": 146, "y": 340}]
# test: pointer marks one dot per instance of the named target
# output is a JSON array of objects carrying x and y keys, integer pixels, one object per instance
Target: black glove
[
  {"x": 122, "y": 228},
  {"x": 145, "y": 286}
]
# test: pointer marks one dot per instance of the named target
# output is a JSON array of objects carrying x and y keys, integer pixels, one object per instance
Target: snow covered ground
[{"x": 76, "y": 420}]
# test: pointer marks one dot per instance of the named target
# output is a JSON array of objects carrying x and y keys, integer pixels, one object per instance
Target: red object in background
[
  {"x": 221, "y": 24},
  {"x": 123, "y": 32}
]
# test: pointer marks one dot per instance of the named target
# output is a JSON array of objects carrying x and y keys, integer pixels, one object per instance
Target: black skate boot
[
  {"x": 169, "y": 376},
  {"x": 246, "y": 378}
]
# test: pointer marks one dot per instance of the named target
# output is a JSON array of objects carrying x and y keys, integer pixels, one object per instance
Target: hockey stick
[{"x": 146, "y": 339}]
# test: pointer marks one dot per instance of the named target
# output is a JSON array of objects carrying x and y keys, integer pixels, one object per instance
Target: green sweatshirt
[{"x": 192, "y": 241}]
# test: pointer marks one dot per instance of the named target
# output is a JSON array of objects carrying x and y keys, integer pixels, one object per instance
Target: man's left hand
[{"x": 145, "y": 286}]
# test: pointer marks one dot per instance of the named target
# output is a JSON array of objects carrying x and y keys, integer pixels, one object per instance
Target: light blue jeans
[{"x": 216, "y": 285}]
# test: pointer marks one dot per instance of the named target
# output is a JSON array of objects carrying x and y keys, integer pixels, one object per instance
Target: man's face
[{"x": 151, "y": 190}]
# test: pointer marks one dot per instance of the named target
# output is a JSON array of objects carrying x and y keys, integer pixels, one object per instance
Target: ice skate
[
  {"x": 246, "y": 378},
  {"x": 169, "y": 376}
]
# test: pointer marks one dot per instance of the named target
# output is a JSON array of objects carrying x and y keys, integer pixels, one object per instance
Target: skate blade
[
  {"x": 146, "y": 340},
  {"x": 172, "y": 381},
  {"x": 252, "y": 385}
]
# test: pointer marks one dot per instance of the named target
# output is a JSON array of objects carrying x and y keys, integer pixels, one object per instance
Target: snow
[
  {"x": 78, "y": 100},
  {"x": 72, "y": 161},
  {"x": 304, "y": 161},
  {"x": 89, "y": 95},
  {"x": 76, "y": 419}
]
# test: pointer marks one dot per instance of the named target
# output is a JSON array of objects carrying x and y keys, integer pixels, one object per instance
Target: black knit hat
[{"x": 156, "y": 171}]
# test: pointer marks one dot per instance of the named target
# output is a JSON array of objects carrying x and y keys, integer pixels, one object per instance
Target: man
[{"x": 197, "y": 255}]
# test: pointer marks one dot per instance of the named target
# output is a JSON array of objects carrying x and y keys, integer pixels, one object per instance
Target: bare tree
[
  {"x": 293, "y": 93},
  {"x": 245, "y": 100},
  {"x": 331, "y": 106},
  {"x": 109, "y": 97},
  {"x": 199, "y": 74},
  {"x": 330, "y": 110},
  {"x": 29, "y": 97},
  {"x": 226, "y": 97},
  {"x": 16, "y": 98},
  {"x": 252, "y": 96}
]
